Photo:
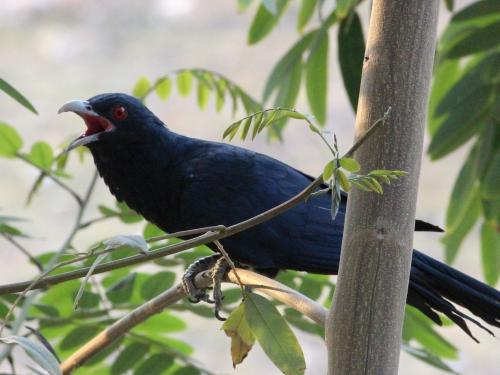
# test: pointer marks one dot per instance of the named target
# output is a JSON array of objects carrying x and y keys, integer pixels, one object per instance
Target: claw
[
  {"x": 218, "y": 316},
  {"x": 196, "y": 295},
  {"x": 218, "y": 273}
]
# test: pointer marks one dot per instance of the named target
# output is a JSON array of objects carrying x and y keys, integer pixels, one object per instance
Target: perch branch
[{"x": 272, "y": 288}]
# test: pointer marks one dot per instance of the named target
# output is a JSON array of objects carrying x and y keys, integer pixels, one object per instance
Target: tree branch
[{"x": 272, "y": 288}]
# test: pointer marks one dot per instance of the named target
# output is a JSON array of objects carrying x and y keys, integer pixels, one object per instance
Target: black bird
[{"x": 180, "y": 183}]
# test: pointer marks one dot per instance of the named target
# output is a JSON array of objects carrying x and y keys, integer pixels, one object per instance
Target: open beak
[{"x": 96, "y": 124}]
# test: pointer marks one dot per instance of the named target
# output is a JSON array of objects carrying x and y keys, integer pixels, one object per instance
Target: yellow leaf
[{"x": 242, "y": 339}]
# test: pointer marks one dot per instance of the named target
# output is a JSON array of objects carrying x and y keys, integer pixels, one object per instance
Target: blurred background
[{"x": 57, "y": 50}]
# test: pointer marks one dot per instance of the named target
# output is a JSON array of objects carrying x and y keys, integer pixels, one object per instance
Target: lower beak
[{"x": 82, "y": 141}]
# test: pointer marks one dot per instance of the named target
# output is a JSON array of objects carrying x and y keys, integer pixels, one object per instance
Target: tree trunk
[{"x": 365, "y": 323}]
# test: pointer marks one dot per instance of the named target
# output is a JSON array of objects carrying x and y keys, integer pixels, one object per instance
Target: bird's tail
[{"x": 434, "y": 285}]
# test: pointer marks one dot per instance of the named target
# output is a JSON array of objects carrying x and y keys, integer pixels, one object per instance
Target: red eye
[{"x": 120, "y": 113}]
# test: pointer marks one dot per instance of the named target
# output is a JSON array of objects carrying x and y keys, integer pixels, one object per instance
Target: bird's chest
[{"x": 145, "y": 184}]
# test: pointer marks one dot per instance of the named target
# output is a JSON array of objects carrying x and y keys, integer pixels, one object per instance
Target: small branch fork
[{"x": 272, "y": 288}]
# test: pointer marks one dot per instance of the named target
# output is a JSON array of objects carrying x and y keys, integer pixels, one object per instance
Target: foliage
[
  {"x": 464, "y": 110},
  {"x": 464, "y": 106}
]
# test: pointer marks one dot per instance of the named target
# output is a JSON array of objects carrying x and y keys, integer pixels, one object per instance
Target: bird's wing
[{"x": 226, "y": 185}]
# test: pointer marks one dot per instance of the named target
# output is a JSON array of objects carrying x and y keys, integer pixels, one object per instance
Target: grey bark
[{"x": 364, "y": 326}]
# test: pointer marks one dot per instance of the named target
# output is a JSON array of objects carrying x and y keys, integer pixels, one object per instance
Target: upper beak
[
  {"x": 84, "y": 110},
  {"x": 81, "y": 107}
]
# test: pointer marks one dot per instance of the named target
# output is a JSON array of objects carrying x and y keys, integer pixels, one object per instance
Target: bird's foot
[
  {"x": 219, "y": 271},
  {"x": 195, "y": 294}
]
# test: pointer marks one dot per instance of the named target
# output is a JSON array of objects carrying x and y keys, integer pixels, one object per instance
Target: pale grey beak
[{"x": 83, "y": 109}]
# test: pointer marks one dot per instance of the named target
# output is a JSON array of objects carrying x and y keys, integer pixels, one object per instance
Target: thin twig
[
  {"x": 230, "y": 262},
  {"x": 189, "y": 232},
  {"x": 23, "y": 250},
  {"x": 286, "y": 295},
  {"x": 368, "y": 133},
  {"x": 53, "y": 178}
]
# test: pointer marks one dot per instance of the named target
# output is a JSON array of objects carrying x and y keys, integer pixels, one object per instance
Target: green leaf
[
  {"x": 344, "y": 7},
  {"x": 10, "y": 140},
  {"x": 463, "y": 191},
  {"x": 428, "y": 358},
  {"x": 478, "y": 39},
  {"x": 203, "y": 94},
  {"x": 351, "y": 52},
  {"x": 231, "y": 131},
  {"x": 41, "y": 155},
  {"x": 264, "y": 21},
  {"x": 106, "y": 211},
  {"x": 258, "y": 119},
  {"x": 349, "y": 164},
  {"x": 458, "y": 96},
  {"x": 297, "y": 320},
  {"x": 10, "y": 230},
  {"x": 286, "y": 65},
  {"x": 47, "y": 310},
  {"x": 121, "y": 291},
  {"x": 317, "y": 76},
  {"x": 221, "y": 86},
  {"x": 328, "y": 170},
  {"x": 129, "y": 357},
  {"x": 449, "y": 5},
  {"x": 184, "y": 82},
  {"x": 246, "y": 127},
  {"x": 490, "y": 184},
  {"x": 287, "y": 95},
  {"x": 419, "y": 328},
  {"x": 445, "y": 77},
  {"x": 78, "y": 336},
  {"x": 466, "y": 120},
  {"x": 151, "y": 230},
  {"x": 164, "y": 88},
  {"x": 344, "y": 181},
  {"x": 157, "y": 284},
  {"x": 89, "y": 300},
  {"x": 270, "y": 6},
  {"x": 141, "y": 87},
  {"x": 242, "y": 339},
  {"x": 243, "y": 4},
  {"x": 473, "y": 29},
  {"x": 453, "y": 239},
  {"x": 305, "y": 13},
  {"x": 156, "y": 364},
  {"x": 37, "y": 352},
  {"x": 274, "y": 334},
  {"x": 490, "y": 252},
  {"x": 188, "y": 370},
  {"x": 61, "y": 296},
  {"x": 16, "y": 95}
]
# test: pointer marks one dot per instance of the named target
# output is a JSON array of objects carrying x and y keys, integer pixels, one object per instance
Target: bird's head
[{"x": 119, "y": 119}]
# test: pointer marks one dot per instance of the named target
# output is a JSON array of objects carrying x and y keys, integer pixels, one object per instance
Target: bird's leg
[
  {"x": 219, "y": 271},
  {"x": 196, "y": 295}
]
